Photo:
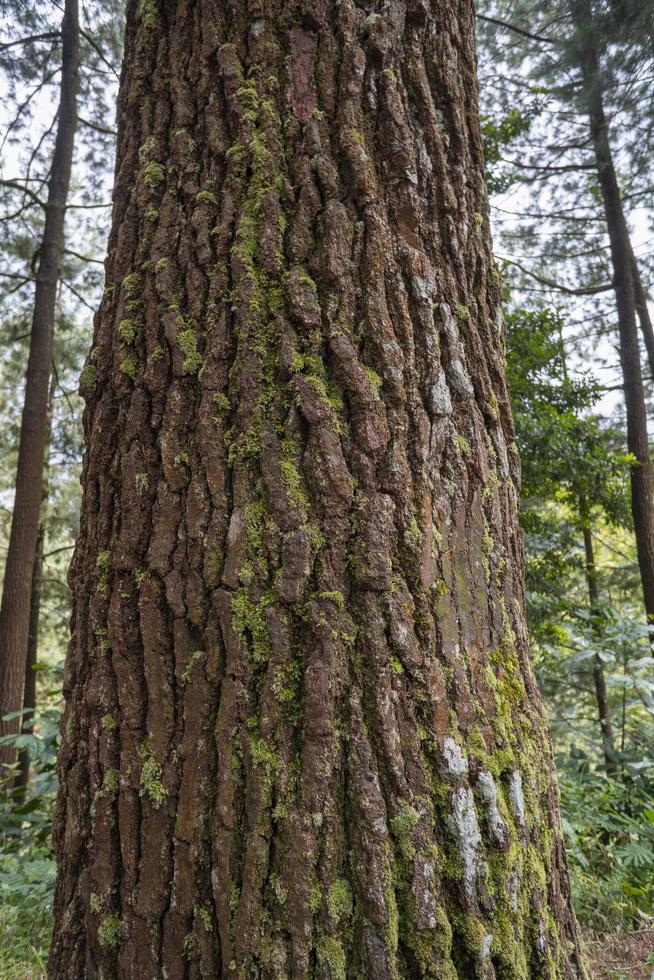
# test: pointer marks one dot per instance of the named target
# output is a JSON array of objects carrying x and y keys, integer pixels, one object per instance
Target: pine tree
[{"x": 301, "y": 734}]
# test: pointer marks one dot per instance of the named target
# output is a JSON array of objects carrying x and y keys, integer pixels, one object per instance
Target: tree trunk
[
  {"x": 29, "y": 688},
  {"x": 645, "y": 320},
  {"x": 622, "y": 258},
  {"x": 17, "y": 586},
  {"x": 599, "y": 680},
  {"x": 301, "y": 735}
]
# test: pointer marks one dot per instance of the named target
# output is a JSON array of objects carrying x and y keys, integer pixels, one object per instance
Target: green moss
[
  {"x": 206, "y": 197},
  {"x": 294, "y": 485},
  {"x": 331, "y": 956},
  {"x": 162, "y": 264},
  {"x": 221, "y": 402},
  {"x": 94, "y": 903},
  {"x": 148, "y": 12},
  {"x": 128, "y": 367},
  {"x": 88, "y": 378},
  {"x": 195, "y": 658},
  {"x": 336, "y": 597},
  {"x": 339, "y": 900},
  {"x": 190, "y": 948},
  {"x": 188, "y": 341},
  {"x": 462, "y": 314},
  {"x": 102, "y": 566},
  {"x": 203, "y": 913},
  {"x": 108, "y": 722},
  {"x": 181, "y": 460},
  {"x": 127, "y": 330},
  {"x": 151, "y": 772},
  {"x": 373, "y": 378},
  {"x": 464, "y": 446},
  {"x": 142, "y": 482},
  {"x": 402, "y": 826},
  {"x": 396, "y": 665},
  {"x": 265, "y": 757},
  {"x": 109, "y": 931},
  {"x": 131, "y": 283},
  {"x": 153, "y": 174},
  {"x": 248, "y": 620}
]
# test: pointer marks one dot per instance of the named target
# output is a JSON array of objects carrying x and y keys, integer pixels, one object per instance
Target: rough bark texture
[
  {"x": 628, "y": 294},
  {"x": 301, "y": 736},
  {"x": 17, "y": 585}
]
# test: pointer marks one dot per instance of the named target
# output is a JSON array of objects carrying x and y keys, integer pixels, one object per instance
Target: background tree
[
  {"x": 301, "y": 733},
  {"x": 601, "y": 70},
  {"x": 36, "y": 265}
]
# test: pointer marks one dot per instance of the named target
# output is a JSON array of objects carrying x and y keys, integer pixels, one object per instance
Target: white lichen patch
[
  {"x": 488, "y": 793},
  {"x": 512, "y": 887},
  {"x": 439, "y": 397},
  {"x": 457, "y": 369},
  {"x": 499, "y": 444},
  {"x": 464, "y": 828},
  {"x": 486, "y": 944},
  {"x": 517, "y": 796},
  {"x": 455, "y": 761}
]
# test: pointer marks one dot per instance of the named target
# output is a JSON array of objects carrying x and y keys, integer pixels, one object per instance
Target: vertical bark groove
[{"x": 302, "y": 738}]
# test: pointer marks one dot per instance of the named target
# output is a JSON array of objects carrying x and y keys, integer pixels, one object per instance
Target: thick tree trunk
[
  {"x": 599, "y": 680},
  {"x": 622, "y": 258},
  {"x": 301, "y": 735},
  {"x": 17, "y": 586}
]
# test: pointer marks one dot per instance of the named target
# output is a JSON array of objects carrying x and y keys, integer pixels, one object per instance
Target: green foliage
[
  {"x": 498, "y": 134},
  {"x": 609, "y": 828},
  {"x": 27, "y": 867}
]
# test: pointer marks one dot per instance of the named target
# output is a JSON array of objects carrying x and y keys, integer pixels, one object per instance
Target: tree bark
[
  {"x": 599, "y": 680},
  {"x": 301, "y": 735},
  {"x": 645, "y": 320},
  {"x": 16, "y": 592},
  {"x": 622, "y": 258},
  {"x": 29, "y": 687}
]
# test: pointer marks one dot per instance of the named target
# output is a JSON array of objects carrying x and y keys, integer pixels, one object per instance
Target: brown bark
[
  {"x": 645, "y": 320},
  {"x": 622, "y": 259},
  {"x": 29, "y": 688},
  {"x": 301, "y": 735},
  {"x": 16, "y": 592},
  {"x": 599, "y": 680}
]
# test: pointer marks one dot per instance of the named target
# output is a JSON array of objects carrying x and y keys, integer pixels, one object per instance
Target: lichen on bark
[{"x": 327, "y": 755}]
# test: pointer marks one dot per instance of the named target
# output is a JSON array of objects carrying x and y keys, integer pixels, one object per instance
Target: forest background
[{"x": 569, "y": 140}]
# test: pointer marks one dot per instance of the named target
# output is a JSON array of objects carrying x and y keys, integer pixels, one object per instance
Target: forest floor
[{"x": 629, "y": 956}]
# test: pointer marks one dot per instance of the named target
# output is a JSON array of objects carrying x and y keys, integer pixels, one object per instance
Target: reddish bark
[{"x": 301, "y": 735}]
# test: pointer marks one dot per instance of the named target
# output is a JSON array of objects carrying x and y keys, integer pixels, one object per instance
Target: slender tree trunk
[
  {"x": 599, "y": 680},
  {"x": 301, "y": 735},
  {"x": 29, "y": 690},
  {"x": 622, "y": 258},
  {"x": 15, "y": 607},
  {"x": 645, "y": 320}
]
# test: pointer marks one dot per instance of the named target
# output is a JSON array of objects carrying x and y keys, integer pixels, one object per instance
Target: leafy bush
[
  {"x": 609, "y": 828},
  {"x": 27, "y": 868}
]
